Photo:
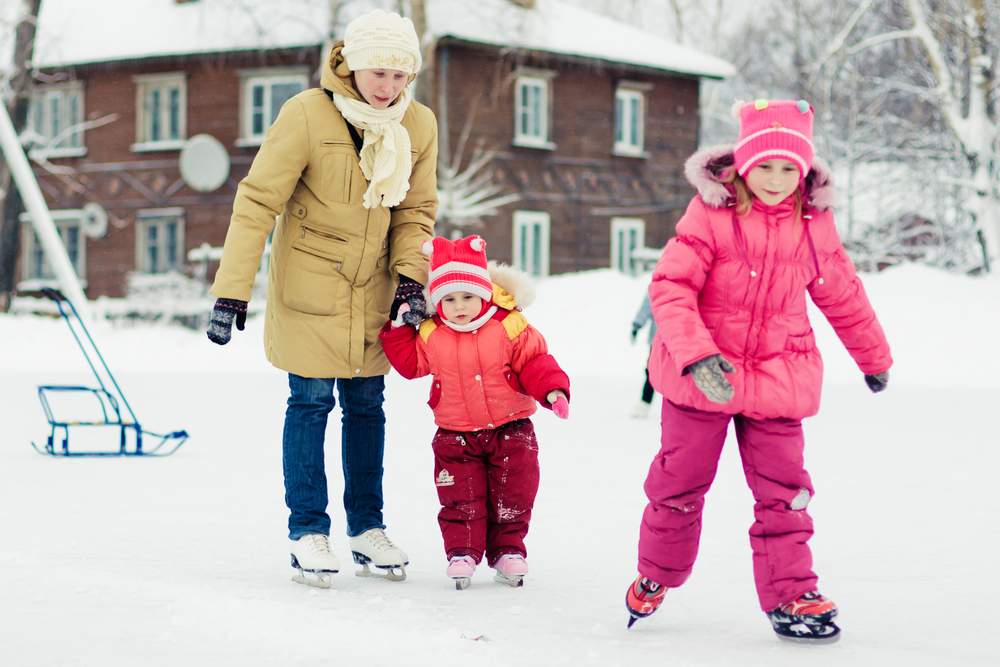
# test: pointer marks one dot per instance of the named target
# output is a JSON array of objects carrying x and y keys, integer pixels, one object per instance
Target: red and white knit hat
[
  {"x": 774, "y": 129},
  {"x": 458, "y": 266}
]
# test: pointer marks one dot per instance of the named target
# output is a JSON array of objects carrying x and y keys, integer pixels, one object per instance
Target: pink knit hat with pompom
[{"x": 774, "y": 129}]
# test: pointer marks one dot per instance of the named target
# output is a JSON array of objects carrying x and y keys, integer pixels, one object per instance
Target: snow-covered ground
[{"x": 183, "y": 560}]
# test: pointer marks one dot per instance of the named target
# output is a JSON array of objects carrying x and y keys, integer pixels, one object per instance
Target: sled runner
[{"x": 109, "y": 398}]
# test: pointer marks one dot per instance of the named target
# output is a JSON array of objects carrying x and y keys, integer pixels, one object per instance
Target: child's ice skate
[
  {"x": 641, "y": 410},
  {"x": 511, "y": 569},
  {"x": 807, "y": 619},
  {"x": 643, "y": 598},
  {"x": 460, "y": 568}
]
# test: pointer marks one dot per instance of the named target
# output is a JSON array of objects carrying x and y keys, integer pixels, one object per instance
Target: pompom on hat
[
  {"x": 458, "y": 266},
  {"x": 772, "y": 129},
  {"x": 379, "y": 40}
]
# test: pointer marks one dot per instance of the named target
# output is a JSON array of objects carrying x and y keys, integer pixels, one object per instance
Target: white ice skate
[
  {"x": 373, "y": 546},
  {"x": 311, "y": 553},
  {"x": 511, "y": 569},
  {"x": 460, "y": 568}
]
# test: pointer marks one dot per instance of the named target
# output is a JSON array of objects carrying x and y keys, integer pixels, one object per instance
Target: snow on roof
[
  {"x": 559, "y": 27},
  {"x": 72, "y": 32}
]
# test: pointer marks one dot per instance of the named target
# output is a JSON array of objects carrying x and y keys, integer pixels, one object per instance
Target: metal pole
[{"x": 34, "y": 202}]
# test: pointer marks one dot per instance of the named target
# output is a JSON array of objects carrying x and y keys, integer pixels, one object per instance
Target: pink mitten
[
  {"x": 403, "y": 310},
  {"x": 560, "y": 406}
]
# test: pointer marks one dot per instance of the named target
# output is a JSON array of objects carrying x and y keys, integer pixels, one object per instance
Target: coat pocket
[
  {"x": 435, "y": 396},
  {"x": 337, "y": 164},
  {"x": 800, "y": 344},
  {"x": 312, "y": 276}
]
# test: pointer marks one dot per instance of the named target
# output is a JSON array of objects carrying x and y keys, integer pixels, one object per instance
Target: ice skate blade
[
  {"x": 461, "y": 583},
  {"x": 811, "y": 639},
  {"x": 514, "y": 581},
  {"x": 322, "y": 580},
  {"x": 390, "y": 573}
]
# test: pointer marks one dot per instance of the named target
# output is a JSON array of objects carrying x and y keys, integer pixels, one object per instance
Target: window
[
  {"x": 35, "y": 268},
  {"x": 627, "y": 236},
  {"x": 264, "y": 92},
  {"x": 159, "y": 240},
  {"x": 531, "y": 242},
  {"x": 52, "y": 112},
  {"x": 630, "y": 120},
  {"x": 161, "y": 112},
  {"x": 532, "y": 109}
]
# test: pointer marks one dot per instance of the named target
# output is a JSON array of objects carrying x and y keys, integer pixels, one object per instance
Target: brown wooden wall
[
  {"x": 124, "y": 181},
  {"x": 580, "y": 183}
]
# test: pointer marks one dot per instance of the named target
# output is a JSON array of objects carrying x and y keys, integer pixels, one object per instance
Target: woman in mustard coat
[{"x": 346, "y": 180}]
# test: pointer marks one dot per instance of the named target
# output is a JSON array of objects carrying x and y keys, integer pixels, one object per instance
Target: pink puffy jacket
[{"x": 737, "y": 287}]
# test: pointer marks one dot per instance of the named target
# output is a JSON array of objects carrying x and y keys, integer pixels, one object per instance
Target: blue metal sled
[{"x": 110, "y": 407}]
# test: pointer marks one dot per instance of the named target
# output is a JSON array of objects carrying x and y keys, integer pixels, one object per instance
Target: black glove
[
  {"x": 220, "y": 329},
  {"x": 877, "y": 382},
  {"x": 707, "y": 375},
  {"x": 411, "y": 293},
  {"x": 635, "y": 332}
]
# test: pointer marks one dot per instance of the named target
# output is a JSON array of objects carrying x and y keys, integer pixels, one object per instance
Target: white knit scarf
[
  {"x": 472, "y": 325},
  {"x": 385, "y": 154}
]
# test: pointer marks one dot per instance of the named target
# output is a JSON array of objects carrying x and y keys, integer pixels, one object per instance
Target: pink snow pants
[
  {"x": 486, "y": 482},
  {"x": 681, "y": 474}
]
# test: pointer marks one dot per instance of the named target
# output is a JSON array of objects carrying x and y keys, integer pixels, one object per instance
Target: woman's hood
[{"x": 705, "y": 168}]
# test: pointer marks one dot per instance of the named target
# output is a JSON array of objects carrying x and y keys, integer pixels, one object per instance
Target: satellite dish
[
  {"x": 94, "y": 220},
  {"x": 204, "y": 163}
]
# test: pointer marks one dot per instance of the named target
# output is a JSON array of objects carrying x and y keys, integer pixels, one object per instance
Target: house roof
[{"x": 72, "y": 32}]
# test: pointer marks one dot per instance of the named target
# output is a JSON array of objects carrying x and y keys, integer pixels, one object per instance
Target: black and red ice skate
[{"x": 808, "y": 619}]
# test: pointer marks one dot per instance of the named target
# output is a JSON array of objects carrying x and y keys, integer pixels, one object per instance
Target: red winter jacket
[
  {"x": 482, "y": 378},
  {"x": 737, "y": 287}
]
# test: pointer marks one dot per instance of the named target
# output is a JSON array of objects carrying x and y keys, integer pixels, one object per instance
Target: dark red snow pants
[
  {"x": 486, "y": 482},
  {"x": 682, "y": 472}
]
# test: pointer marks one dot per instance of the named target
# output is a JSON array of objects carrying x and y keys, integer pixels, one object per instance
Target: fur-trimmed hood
[
  {"x": 513, "y": 289},
  {"x": 705, "y": 168}
]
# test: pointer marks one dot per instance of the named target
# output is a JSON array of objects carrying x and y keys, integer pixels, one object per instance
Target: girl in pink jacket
[
  {"x": 734, "y": 343},
  {"x": 490, "y": 367}
]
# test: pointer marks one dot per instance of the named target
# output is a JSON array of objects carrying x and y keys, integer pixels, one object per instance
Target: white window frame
[
  {"x": 51, "y": 111},
  {"x": 266, "y": 79},
  {"x": 540, "y": 117},
  {"x": 158, "y": 218},
  {"x": 630, "y": 132},
  {"x": 32, "y": 250},
  {"x": 145, "y": 118},
  {"x": 530, "y": 250},
  {"x": 622, "y": 258}
]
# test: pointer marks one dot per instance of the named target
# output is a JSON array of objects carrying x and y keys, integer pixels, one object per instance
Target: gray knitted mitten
[
  {"x": 708, "y": 376},
  {"x": 220, "y": 329},
  {"x": 411, "y": 293},
  {"x": 877, "y": 382}
]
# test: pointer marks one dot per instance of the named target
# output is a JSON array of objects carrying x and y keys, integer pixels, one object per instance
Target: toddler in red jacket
[
  {"x": 489, "y": 369},
  {"x": 734, "y": 343}
]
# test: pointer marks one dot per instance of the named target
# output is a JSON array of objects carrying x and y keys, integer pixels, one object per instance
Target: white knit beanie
[{"x": 378, "y": 40}]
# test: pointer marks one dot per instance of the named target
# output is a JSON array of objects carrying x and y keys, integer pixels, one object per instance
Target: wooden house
[{"x": 585, "y": 124}]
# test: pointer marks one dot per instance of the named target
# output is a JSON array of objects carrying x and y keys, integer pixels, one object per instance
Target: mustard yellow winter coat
[{"x": 334, "y": 264}]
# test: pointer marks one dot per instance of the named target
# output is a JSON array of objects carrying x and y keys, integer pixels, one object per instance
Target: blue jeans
[{"x": 362, "y": 438}]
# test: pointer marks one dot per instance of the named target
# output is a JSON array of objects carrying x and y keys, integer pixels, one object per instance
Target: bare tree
[
  {"x": 947, "y": 82},
  {"x": 17, "y": 107}
]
